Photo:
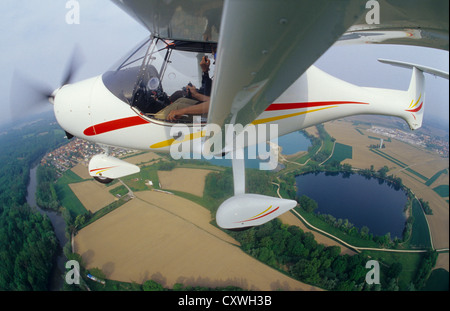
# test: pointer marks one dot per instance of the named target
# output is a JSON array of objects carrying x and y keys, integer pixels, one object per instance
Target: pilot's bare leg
[{"x": 178, "y": 104}]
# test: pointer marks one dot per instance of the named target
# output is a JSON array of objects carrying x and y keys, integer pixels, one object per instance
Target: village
[
  {"x": 78, "y": 151},
  {"x": 437, "y": 145}
]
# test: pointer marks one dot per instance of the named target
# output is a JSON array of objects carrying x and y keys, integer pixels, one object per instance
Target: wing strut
[{"x": 246, "y": 210}]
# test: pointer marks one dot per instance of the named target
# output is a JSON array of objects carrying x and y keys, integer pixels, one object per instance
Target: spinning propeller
[{"x": 30, "y": 96}]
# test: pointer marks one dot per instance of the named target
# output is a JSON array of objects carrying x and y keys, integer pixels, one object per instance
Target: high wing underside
[
  {"x": 194, "y": 20},
  {"x": 418, "y": 22},
  {"x": 265, "y": 45}
]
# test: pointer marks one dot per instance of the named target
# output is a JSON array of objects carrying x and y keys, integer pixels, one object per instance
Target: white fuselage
[{"x": 88, "y": 110}]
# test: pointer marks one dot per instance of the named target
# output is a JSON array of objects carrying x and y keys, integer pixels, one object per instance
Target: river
[{"x": 59, "y": 226}]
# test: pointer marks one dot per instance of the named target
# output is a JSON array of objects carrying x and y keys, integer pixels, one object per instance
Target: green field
[
  {"x": 442, "y": 190},
  {"x": 436, "y": 176},
  {"x": 341, "y": 152},
  {"x": 409, "y": 262},
  {"x": 66, "y": 196},
  {"x": 135, "y": 181},
  {"x": 420, "y": 238},
  {"x": 121, "y": 190},
  {"x": 438, "y": 281}
]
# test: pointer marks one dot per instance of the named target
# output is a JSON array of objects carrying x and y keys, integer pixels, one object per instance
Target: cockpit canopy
[{"x": 147, "y": 76}]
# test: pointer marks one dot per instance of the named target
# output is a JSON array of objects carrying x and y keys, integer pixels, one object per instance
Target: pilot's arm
[
  {"x": 206, "y": 87},
  {"x": 197, "y": 95}
]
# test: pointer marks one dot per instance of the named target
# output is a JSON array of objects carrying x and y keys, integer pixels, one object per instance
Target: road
[{"x": 130, "y": 193}]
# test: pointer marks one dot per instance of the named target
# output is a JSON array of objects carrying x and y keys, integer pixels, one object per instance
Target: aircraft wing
[
  {"x": 194, "y": 20},
  {"x": 419, "y": 23},
  {"x": 265, "y": 45}
]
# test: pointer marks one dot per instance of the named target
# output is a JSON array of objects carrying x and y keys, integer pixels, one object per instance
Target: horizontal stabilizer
[{"x": 429, "y": 70}]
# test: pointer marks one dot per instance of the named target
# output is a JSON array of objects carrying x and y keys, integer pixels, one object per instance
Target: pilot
[
  {"x": 196, "y": 103},
  {"x": 205, "y": 89}
]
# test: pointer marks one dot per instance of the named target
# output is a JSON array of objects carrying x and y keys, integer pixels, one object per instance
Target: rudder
[
  {"x": 416, "y": 93},
  {"x": 413, "y": 113}
]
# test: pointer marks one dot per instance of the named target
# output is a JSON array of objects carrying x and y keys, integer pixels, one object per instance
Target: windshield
[
  {"x": 121, "y": 79},
  {"x": 155, "y": 69}
]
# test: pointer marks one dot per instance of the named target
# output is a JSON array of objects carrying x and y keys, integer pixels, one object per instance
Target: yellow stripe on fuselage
[
  {"x": 271, "y": 119},
  {"x": 169, "y": 142}
]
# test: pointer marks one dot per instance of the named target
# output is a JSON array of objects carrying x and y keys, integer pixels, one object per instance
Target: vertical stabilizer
[
  {"x": 413, "y": 112},
  {"x": 416, "y": 99}
]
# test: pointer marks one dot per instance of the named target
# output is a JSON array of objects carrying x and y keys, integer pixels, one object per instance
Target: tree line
[
  {"x": 27, "y": 248},
  {"x": 293, "y": 251},
  {"x": 27, "y": 241},
  {"x": 46, "y": 196}
]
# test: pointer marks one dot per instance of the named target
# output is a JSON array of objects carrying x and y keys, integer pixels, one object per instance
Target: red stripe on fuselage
[
  {"x": 276, "y": 107},
  {"x": 114, "y": 125},
  {"x": 133, "y": 121}
]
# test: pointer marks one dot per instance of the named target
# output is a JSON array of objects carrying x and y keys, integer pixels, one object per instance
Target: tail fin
[
  {"x": 416, "y": 92},
  {"x": 413, "y": 112}
]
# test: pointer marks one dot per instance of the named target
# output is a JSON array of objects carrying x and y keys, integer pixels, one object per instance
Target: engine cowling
[{"x": 249, "y": 210}]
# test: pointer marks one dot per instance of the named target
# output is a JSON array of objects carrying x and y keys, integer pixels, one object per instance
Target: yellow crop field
[
  {"x": 143, "y": 158},
  {"x": 81, "y": 170},
  {"x": 172, "y": 243},
  {"x": 92, "y": 194},
  {"x": 184, "y": 179}
]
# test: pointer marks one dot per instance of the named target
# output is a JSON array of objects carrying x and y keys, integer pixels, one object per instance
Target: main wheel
[{"x": 103, "y": 180}]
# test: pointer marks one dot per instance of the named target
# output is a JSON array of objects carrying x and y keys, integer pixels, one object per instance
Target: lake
[
  {"x": 290, "y": 143},
  {"x": 293, "y": 142},
  {"x": 364, "y": 202}
]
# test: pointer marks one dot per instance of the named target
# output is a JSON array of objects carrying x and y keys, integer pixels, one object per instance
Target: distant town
[
  {"x": 434, "y": 144},
  {"x": 78, "y": 151}
]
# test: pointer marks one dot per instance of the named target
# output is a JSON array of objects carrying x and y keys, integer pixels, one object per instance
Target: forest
[
  {"x": 45, "y": 191},
  {"x": 27, "y": 241},
  {"x": 291, "y": 249}
]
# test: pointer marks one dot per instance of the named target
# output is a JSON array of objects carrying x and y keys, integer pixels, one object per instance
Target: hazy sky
[{"x": 37, "y": 41}]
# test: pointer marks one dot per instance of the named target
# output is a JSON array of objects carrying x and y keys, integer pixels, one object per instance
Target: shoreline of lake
[{"x": 342, "y": 203}]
